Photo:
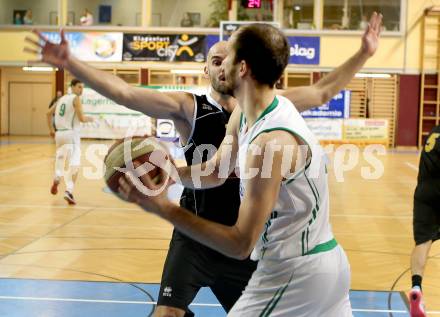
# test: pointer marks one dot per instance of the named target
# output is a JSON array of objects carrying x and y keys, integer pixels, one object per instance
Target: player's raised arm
[
  {"x": 306, "y": 97},
  {"x": 176, "y": 106}
]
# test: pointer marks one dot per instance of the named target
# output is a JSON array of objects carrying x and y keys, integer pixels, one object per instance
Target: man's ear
[
  {"x": 244, "y": 69},
  {"x": 205, "y": 72}
]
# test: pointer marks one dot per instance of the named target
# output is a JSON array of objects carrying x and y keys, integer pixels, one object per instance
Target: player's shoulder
[
  {"x": 274, "y": 138},
  {"x": 433, "y": 141},
  {"x": 287, "y": 106},
  {"x": 206, "y": 104}
]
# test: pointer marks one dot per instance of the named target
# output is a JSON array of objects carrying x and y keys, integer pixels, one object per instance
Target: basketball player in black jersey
[
  {"x": 426, "y": 221},
  {"x": 200, "y": 120}
]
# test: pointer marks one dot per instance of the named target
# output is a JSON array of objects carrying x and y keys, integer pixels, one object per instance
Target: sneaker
[
  {"x": 69, "y": 198},
  {"x": 416, "y": 306},
  {"x": 54, "y": 188}
]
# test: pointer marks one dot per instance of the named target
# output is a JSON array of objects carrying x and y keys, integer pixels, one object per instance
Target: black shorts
[
  {"x": 190, "y": 266},
  {"x": 426, "y": 221}
]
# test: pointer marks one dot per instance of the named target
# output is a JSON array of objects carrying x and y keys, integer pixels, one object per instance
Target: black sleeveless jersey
[
  {"x": 428, "y": 182},
  {"x": 219, "y": 204}
]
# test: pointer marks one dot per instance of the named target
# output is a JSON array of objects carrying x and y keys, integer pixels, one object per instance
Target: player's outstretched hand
[
  {"x": 370, "y": 39},
  {"x": 55, "y": 54}
]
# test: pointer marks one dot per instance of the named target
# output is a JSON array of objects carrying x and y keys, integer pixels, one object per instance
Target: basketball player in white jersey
[
  {"x": 68, "y": 114},
  {"x": 182, "y": 109},
  {"x": 284, "y": 213}
]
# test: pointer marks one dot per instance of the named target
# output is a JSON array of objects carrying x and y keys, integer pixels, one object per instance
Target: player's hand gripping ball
[{"x": 148, "y": 151}]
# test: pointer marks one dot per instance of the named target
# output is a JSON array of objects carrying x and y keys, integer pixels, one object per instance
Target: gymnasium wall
[
  {"x": 397, "y": 53},
  {"x": 14, "y": 41},
  {"x": 171, "y": 11},
  {"x": 408, "y": 114}
]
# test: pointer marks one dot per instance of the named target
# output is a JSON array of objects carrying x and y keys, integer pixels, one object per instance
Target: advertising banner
[
  {"x": 111, "y": 121},
  {"x": 337, "y": 108},
  {"x": 325, "y": 129},
  {"x": 366, "y": 129},
  {"x": 92, "y": 46},
  {"x": 304, "y": 50},
  {"x": 163, "y": 47}
]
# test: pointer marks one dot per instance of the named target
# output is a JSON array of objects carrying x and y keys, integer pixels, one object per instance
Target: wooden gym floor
[{"x": 105, "y": 239}]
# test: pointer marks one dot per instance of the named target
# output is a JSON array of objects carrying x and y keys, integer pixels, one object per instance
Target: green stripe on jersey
[
  {"x": 241, "y": 121},
  {"x": 269, "y": 109},
  {"x": 275, "y": 299},
  {"x": 323, "y": 247}
]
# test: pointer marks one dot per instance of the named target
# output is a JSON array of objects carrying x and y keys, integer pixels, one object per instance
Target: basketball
[{"x": 141, "y": 149}]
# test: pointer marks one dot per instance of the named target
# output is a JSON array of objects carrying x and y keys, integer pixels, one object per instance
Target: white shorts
[
  {"x": 68, "y": 143},
  {"x": 309, "y": 286}
]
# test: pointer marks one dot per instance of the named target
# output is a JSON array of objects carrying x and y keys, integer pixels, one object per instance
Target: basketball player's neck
[
  {"x": 253, "y": 99},
  {"x": 227, "y": 102}
]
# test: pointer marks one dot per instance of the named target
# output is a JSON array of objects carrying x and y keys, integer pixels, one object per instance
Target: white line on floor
[
  {"x": 412, "y": 166},
  {"x": 54, "y": 299}
]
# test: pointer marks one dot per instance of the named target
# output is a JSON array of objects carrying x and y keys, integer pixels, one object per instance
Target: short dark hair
[
  {"x": 265, "y": 49},
  {"x": 75, "y": 82}
]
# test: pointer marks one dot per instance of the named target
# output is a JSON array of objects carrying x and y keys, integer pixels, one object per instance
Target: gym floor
[{"x": 106, "y": 255}]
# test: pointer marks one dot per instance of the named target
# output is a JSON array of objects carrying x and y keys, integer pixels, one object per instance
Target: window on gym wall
[
  {"x": 104, "y": 12},
  {"x": 188, "y": 13},
  {"x": 298, "y": 14},
  {"x": 29, "y": 12},
  {"x": 354, "y": 14}
]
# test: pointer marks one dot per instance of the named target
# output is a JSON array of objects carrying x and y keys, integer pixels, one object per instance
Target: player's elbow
[
  {"x": 243, "y": 255},
  {"x": 124, "y": 95},
  {"x": 243, "y": 252},
  {"x": 243, "y": 247},
  {"x": 324, "y": 96}
]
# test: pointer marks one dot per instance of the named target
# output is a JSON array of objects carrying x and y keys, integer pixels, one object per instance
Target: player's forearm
[
  {"x": 336, "y": 80},
  {"x": 49, "y": 122},
  {"x": 106, "y": 84},
  {"x": 148, "y": 101},
  {"x": 200, "y": 176},
  {"x": 224, "y": 239}
]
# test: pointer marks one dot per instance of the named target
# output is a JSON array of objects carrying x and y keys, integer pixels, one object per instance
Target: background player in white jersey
[
  {"x": 68, "y": 114},
  {"x": 285, "y": 207}
]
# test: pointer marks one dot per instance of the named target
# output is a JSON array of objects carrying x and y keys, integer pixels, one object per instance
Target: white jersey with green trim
[
  {"x": 65, "y": 115},
  {"x": 299, "y": 223}
]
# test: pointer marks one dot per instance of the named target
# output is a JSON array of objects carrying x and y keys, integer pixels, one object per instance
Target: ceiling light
[
  {"x": 38, "y": 69},
  {"x": 364, "y": 75}
]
